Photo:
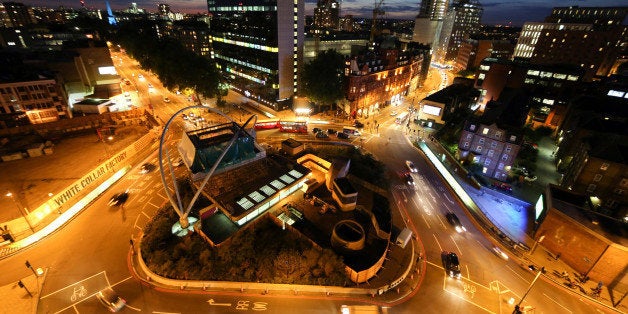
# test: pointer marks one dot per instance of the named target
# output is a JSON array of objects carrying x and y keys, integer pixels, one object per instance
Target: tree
[{"x": 323, "y": 78}]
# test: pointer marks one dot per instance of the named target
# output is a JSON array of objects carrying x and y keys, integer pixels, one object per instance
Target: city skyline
[{"x": 502, "y": 12}]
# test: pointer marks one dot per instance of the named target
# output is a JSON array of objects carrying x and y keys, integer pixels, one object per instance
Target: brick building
[
  {"x": 494, "y": 139},
  {"x": 588, "y": 242},
  {"x": 376, "y": 80}
]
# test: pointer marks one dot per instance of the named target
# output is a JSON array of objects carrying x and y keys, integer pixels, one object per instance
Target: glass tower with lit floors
[{"x": 258, "y": 47}]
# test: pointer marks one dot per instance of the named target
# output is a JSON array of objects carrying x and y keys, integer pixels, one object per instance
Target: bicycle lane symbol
[{"x": 79, "y": 293}]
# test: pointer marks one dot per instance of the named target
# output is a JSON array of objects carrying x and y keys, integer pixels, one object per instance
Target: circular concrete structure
[{"x": 348, "y": 234}]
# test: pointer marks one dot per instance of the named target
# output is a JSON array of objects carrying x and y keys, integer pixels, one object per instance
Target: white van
[{"x": 404, "y": 237}]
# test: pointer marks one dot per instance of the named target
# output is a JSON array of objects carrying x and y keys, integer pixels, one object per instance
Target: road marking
[
  {"x": 441, "y": 222},
  {"x": 447, "y": 197},
  {"x": 90, "y": 277},
  {"x": 512, "y": 270},
  {"x": 456, "y": 244},
  {"x": 557, "y": 303},
  {"x": 211, "y": 302},
  {"x": 157, "y": 312},
  {"x": 153, "y": 206},
  {"x": 428, "y": 225},
  {"x": 119, "y": 282},
  {"x": 468, "y": 272},
  {"x": 435, "y": 238},
  {"x": 133, "y": 308}
]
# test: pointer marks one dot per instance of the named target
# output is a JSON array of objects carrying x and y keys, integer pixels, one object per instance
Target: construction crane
[{"x": 377, "y": 11}]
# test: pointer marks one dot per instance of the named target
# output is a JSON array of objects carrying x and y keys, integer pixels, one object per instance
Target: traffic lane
[{"x": 158, "y": 300}]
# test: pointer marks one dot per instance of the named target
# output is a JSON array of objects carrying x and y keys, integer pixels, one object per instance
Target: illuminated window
[
  {"x": 604, "y": 167},
  {"x": 485, "y": 131},
  {"x": 597, "y": 178}
]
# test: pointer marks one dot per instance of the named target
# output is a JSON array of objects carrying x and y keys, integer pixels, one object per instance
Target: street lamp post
[
  {"x": 517, "y": 309},
  {"x": 19, "y": 208}
]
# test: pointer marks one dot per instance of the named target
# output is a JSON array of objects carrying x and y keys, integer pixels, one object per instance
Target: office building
[
  {"x": 326, "y": 15},
  {"x": 478, "y": 47},
  {"x": 193, "y": 35},
  {"x": 258, "y": 47},
  {"x": 15, "y": 14},
  {"x": 462, "y": 20},
  {"x": 428, "y": 22},
  {"x": 591, "y": 38}
]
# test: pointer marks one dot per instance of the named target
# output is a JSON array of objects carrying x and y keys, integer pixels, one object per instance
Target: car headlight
[{"x": 459, "y": 229}]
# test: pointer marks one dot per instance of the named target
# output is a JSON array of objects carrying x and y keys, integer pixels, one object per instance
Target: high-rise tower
[{"x": 258, "y": 45}]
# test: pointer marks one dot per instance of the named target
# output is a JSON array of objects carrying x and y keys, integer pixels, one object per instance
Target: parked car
[
  {"x": 316, "y": 130},
  {"x": 166, "y": 99},
  {"x": 455, "y": 222},
  {"x": 147, "y": 167},
  {"x": 342, "y": 135},
  {"x": 118, "y": 199},
  {"x": 111, "y": 300},
  {"x": 411, "y": 166},
  {"x": 322, "y": 135},
  {"x": 358, "y": 124},
  {"x": 331, "y": 131},
  {"x": 452, "y": 265}
]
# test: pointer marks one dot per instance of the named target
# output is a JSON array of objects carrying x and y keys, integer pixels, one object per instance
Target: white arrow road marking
[{"x": 211, "y": 302}]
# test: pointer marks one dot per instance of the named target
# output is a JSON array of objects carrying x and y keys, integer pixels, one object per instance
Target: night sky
[{"x": 515, "y": 12}]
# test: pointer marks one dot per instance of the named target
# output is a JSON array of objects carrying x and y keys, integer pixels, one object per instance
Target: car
[
  {"x": 322, "y": 135},
  {"x": 454, "y": 221},
  {"x": 127, "y": 82},
  {"x": 184, "y": 116},
  {"x": 166, "y": 99},
  {"x": 452, "y": 265},
  {"x": 342, "y": 135},
  {"x": 393, "y": 113},
  {"x": 111, "y": 300},
  {"x": 178, "y": 162},
  {"x": 331, "y": 131},
  {"x": 118, "y": 199},
  {"x": 530, "y": 179},
  {"x": 358, "y": 124},
  {"x": 500, "y": 253},
  {"x": 316, "y": 130},
  {"x": 408, "y": 178},
  {"x": 502, "y": 186},
  {"x": 150, "y": 87},
  {"x": 411, "y": 166},
  {"x": 140, "y": 76},
  {"x": 146, "y": 168}
]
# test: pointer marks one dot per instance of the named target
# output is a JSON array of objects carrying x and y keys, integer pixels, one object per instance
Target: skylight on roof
[
  {"x": 245, "y": 203},
  {"x": 257, "y": 196},
  {"x": 295, "y": 174},
  {"x": 277, "y": 184},
  {"x": 267, "y": 190},
  {"x": 286, "y": 178}
]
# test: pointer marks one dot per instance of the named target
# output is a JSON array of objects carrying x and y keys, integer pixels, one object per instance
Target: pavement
[{"x": 506, "y": 216}]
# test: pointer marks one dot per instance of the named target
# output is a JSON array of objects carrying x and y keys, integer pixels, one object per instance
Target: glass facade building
[{"x": 258, "y": 47}]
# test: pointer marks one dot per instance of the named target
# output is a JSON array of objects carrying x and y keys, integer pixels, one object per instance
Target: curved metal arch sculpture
[{"x": 178, "y": 205}]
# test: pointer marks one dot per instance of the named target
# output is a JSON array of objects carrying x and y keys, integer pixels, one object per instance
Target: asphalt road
[{"x": 92, "y": 252}]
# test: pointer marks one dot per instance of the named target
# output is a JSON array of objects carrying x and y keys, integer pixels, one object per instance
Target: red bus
[
  {"x": 293, "y": 126},
  {"x": 267, "y": 124}
]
